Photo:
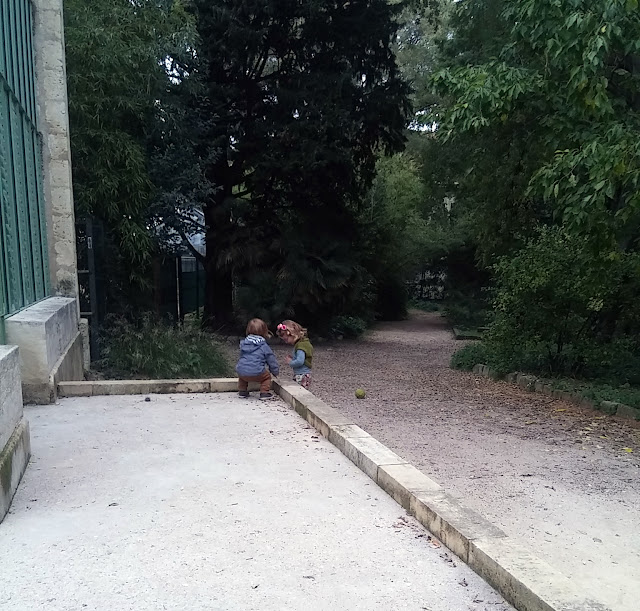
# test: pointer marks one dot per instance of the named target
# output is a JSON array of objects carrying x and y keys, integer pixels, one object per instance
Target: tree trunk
[{"x": 218, "y": 300}]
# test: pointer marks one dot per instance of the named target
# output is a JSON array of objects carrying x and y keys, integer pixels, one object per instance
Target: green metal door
[{"x": 24, "y": 274}]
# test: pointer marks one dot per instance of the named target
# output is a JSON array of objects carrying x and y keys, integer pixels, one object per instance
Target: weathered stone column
[{"x": 53, "y": 124}]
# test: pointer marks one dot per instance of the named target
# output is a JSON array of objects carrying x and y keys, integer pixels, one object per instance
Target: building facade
[{"x": 41, "y": 338}]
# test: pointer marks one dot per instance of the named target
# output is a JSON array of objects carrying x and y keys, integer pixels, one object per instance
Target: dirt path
[{"x": 549, "y": 473}]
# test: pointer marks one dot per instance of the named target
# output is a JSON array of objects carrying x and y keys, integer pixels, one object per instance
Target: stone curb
[
  {"x": 147, "y": 387},
  {"x": 540, "y": 385},
  {"x": 527, "y": 582}
]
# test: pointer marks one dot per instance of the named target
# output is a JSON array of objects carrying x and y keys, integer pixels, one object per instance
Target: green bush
[
  {"x": 563, "y": 310},
  {"x": 425, "y": 305},
  {"x": 469, "y": 356},
  {"x": 152, "y": 349},
  {"x": 466, "y": 312},
  {"x": 349, "y": 327}
]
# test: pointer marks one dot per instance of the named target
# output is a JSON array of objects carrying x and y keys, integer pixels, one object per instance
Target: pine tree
[{"x": 301, "y": 96}]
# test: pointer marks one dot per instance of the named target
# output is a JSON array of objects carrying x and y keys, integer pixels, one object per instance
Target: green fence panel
[
  {"x": 24, "y": 270},
  {"x": 10, "y": 241},
  {"x": 22, "y": 205},
  {"x": 35, "y": 230}
]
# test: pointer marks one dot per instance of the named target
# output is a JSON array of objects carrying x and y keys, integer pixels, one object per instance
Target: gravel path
[{"x": 549, "y": 473}]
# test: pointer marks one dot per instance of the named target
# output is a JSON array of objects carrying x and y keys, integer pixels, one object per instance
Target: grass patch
[{"x": 151, "y": 349}]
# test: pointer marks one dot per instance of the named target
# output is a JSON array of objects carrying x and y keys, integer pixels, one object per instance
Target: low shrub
[
  {"x": 562, "y": 310},
  {"x": 424, "y": 305},
  {"x": 349, "y": 327},
  {"x": 466, "y": 312},
  {"x": 598, "y": 392},
  {"x": 469, "y": 356},
  {"x": 152, "y": 349}
]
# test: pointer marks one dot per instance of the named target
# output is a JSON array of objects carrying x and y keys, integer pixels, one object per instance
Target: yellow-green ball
[{"x": 360, "y": 394}]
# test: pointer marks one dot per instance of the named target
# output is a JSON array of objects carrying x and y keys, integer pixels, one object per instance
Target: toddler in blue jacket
[{"x": 257, "y": 361}]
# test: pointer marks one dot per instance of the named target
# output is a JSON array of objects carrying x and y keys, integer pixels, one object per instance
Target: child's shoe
[
  {"x": 266, "y": 396},
  {"x": 243, "y": 394}
]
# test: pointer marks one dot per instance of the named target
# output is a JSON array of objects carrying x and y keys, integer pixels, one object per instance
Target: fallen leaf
[
  {"x": 628, "y": 450},
  {"x": 562, "y": 409}
]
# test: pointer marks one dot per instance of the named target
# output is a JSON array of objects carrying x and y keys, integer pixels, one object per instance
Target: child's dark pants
[{"x": 264, "y": 380}]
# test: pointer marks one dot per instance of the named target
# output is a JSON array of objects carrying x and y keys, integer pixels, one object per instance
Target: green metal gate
[{"x": 24, "y": 274}]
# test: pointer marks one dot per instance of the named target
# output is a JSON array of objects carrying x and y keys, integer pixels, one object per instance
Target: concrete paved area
[{"x": 208, "y": 502}]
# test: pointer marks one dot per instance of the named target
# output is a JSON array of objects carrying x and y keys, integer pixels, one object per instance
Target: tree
[
  {"x": 565, "y": 82},
  {"x": 115, "y": 54},
  {"x": 301, "y": 97},
  {"x": 551, "y": 108},
  {"x": 394, "y": 232}
]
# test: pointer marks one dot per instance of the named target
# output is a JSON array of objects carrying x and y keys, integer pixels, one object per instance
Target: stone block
[
  {"x": 10, "y": 392},
  {"x": 169, "y": 387},
  {"x": 588, "y": 403},
  {"x": 70, "y": 365},
  {"x": 294, "y": 395},
  {"x": 401, "y": 482},
  {"x": 526, "y": 381},
  {"x": 608, "y": 407},
  {"x": 322, "y": 417},
  {"x": 43, "y": 332},
  {"x": 122, "y": 387},
  {"x": 224, "y": 385},
  {"x": 527, "y": 582},
  {"x": 75, "y": 389},
  {"x": 283, "y": 389},
  {"x": 341, "y": 432},
  {"x": 14, "y": 457},
  {"x": 626, "y": 411},
  {"x": 449, "y": 520},
  {"x": 369, "y": 454}
]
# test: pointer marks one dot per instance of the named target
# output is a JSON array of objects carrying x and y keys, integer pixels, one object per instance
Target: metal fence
[
  {"x": 176, "y": 287},
  {"x": 24, "y": 274}
]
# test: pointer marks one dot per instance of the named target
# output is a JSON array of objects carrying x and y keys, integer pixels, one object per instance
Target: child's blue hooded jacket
[{"x": 255, "y": 357}]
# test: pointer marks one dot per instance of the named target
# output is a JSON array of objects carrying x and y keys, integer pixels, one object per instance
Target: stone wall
[{"x": 54, "y": 126}]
